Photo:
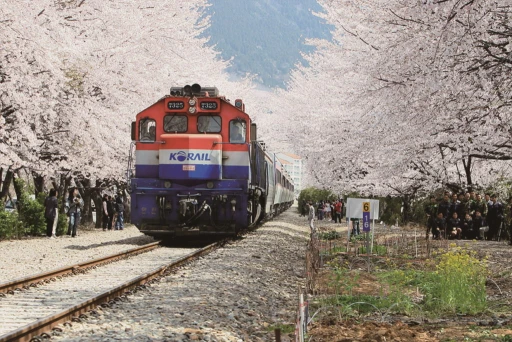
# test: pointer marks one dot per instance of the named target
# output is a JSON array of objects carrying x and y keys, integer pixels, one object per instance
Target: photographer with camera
[{"x": 74, "y": 205}]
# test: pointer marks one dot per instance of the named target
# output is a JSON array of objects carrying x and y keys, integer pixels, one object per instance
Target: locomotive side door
[{"x": 270, "y": 185}]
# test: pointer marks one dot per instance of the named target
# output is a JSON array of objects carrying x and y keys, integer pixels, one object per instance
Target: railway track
[
  {"x": 47, "y": 277},
  {"x": 41, "y": 303}
]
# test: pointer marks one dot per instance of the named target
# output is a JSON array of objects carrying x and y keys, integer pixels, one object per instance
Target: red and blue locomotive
[{"x": 199, "y": 169}]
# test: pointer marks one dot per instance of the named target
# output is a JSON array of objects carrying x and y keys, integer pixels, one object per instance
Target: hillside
[{"x": 264, "y": 37}]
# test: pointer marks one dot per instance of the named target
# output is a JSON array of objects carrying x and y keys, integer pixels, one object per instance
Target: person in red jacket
[{"x": 338, "y": 207}]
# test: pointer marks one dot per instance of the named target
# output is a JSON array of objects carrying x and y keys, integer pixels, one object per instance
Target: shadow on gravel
[
  {"x": 136, "y": 240},
  {"x": 189, "y": 243}
]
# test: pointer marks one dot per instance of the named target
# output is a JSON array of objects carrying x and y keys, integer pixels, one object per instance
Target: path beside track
[{"x": 21, "y": 258}]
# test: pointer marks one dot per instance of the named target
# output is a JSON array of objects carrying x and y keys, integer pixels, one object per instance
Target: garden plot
[{"x": 413, "y": 290}]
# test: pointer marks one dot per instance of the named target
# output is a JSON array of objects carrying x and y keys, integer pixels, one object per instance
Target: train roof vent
[
  {"x": 195, "y": 90},
  {"x": 212, "y": 91}
]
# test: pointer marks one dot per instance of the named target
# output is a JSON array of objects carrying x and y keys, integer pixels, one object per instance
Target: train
[{"x": 197, "y": 169}]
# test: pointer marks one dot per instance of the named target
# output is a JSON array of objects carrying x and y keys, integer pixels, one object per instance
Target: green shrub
[
  {"x": 360, "y": 237},
  {"x": 32, "y": 215},
  {"x": 31, "y": 212},
  {"x": 62, "y": 224},
  {"x": 377, "y": 249},
  {"x": 332, "y": 235},
  {"x": 337, "y": 249},
  {"x": 10, "y": 225},
  {"x": 458, "y": 284}
]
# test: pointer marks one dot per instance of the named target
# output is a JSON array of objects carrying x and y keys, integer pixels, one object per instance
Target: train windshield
[
  {"x": 237, "y": 131},
  {"x": 175, "y": 123},
  {"x": 147, "y": 130},
  {"x": 209, "y": 124}
]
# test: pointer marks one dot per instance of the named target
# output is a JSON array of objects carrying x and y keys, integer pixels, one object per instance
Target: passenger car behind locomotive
[{"x": 199, "y": 169}]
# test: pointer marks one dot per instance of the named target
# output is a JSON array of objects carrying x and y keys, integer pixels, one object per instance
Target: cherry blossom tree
[
  {"x": 408, "y": 96},
  {"x": 73, "y": 74}
]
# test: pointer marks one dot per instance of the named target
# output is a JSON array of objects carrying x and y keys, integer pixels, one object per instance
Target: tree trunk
[
  {"x": 38, "y": 183},
  {"x": 64, "y": 185},
  {"x": 5, "y": 184},
  {"x": 85, "y": 192},
  {"x": 18, "y": 189},
  {"x": 407, "y": 207},
  {"x": 467, "y": 169}
]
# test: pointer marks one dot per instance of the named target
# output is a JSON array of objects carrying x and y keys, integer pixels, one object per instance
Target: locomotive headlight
[
  {"x": 209, "y": 185},
  {"x": 192, "y": 110},
  {"x": 167, "y": 184},
  {"x": 192, "y": 101},
  {"x": 233, "y": 204}
]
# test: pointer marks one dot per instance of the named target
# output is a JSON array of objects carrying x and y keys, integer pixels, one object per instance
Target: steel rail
[
  {"x": 42, "y": 326},
  {"x": 47, "y": 277}
]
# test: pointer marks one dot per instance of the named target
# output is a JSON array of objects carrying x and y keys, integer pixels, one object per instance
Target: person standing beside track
[
  {"x": 431, "y": 212},
  {"x": 75, "y": 204},
  {"x": 311, "y": 217},
  {"x": 104, "y": 212},
  {"x": 110, "y": 211},
  {"x": 51, "y": 214},
  {"x": 119, "y": 207}
]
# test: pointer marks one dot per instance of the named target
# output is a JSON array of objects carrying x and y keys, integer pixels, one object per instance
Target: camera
[{"x": 76, "y": 200}]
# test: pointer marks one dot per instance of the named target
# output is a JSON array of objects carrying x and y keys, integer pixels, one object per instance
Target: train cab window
[
  {"x": 147, "y": 130},
  {"x": 175, "y": 123},
  {"x": 237, "y": 131},
  {"x": 209, "y": 124}
]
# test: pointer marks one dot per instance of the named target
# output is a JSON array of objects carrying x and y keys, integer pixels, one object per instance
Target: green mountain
[{"x": 264, "y": 37}]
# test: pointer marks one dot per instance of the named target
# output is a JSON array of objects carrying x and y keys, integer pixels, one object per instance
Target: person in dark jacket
[
  {"x": 468, "y": 232},
  {"x": 439, "y": 227},
  {"x": 51, "y": 214},
  {"x": 453, "y": 227},
  {"x": 119, "y": 207},
  {"x": 494, "y": 217},
  {"x": 444, "y": 207},
  {"x": 431, "y": 211},
  {"x": 320, "y": 211},
  {"x": 104, "y": 212},
  {"x": 110, "y": 211},
  {"x": 461, "y": 212},
  {"x": 455, "y": 206},
  {"x": 480, "y": 225}
]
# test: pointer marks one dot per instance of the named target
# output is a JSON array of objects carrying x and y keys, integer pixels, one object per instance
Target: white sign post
[{"x": 356, "y": 209}]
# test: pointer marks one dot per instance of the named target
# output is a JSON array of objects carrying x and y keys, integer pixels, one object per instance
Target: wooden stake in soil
[{"x": 278, "y": 335}]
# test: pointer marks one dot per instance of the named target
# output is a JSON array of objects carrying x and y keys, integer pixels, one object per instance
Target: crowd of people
[
  {"x": 112, "y": 212},
  {"x": 325, "y": 210},
  {"x": 467, "y": 216}
]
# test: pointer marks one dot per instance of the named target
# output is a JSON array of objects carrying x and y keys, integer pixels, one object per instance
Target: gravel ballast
[
  {"x": 237, "y": 293},
  {"x": 21, "y": 258}
]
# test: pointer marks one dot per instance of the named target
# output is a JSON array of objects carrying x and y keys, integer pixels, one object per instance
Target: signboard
[
  {"x": 355, "y": 208},
  {"x": 366, "y": 217}
]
